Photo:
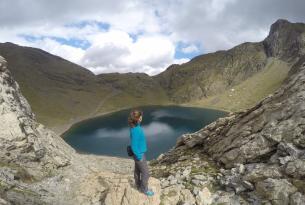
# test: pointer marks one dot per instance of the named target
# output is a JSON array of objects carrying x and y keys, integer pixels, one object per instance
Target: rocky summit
[{"x": 255, "y": 156}]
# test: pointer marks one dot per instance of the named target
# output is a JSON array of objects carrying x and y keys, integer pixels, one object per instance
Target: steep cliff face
[
  {"x": 259, "y": 152},
  {"x": 21, "y": 136},
  {"x": 285, "y": 40},
  {"x": 29, "y": 152},
  {"x": 38, "y": 167}
]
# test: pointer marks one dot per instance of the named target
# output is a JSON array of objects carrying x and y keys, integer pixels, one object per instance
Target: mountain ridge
[
  {"x": 74, "y": 93},
  {"x": 253, "y": 156},
  {"x": 283, "y": 35},
  {"x": 62, "y": 93}
]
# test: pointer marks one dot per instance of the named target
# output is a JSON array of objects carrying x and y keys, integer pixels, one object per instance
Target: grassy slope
[
  {"x": 212, "y": 73},
  {"x": 61, "y": 93},
  {"x": 54, "y": 87},
  {"x": 132, "y": 89},
  {"x": 250, "y": 91}
]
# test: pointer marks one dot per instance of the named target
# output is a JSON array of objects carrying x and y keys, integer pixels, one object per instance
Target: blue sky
[
  {"x": 139, "y": 35},
  {"x": 180, "y": 47}
]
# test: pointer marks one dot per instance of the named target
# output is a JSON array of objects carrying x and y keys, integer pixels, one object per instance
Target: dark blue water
[{"x": 162, "y": 125}]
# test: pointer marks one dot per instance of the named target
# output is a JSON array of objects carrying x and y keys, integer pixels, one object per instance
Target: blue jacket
[{"x": 138, "y": 141}]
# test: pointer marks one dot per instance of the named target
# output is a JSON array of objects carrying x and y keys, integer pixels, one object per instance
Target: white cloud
[
  {"x": 161, "y": 113},
  {"x": 190, "y": 49},
  {"x": 116, "y": 50},
  {"x": 152, "y": 131},
  {"x": 143, "y": 34},
  {"x": 111, "y": 133},
  {"x": 181, "y": 60},
  {"x": 68, "y": 52},
  {"x": 107, "y": 49},
  {"x": 152, "y": 51}
]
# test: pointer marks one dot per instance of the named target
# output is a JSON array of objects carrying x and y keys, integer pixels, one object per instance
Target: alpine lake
[{"x": 109, "y": 134}]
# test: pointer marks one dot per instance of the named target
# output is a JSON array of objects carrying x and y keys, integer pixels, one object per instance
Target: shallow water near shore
[{"x": 162, "y": 125}]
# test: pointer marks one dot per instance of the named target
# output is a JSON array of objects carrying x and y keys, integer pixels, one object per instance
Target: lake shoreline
[
  {"x": 63, "y": 129},
  {"x": 108, "y": 135},
  {"x": 210, "y": 108}
]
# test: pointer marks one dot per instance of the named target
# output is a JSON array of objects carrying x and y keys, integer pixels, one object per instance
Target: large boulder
[{"x": 278, "y": 191}]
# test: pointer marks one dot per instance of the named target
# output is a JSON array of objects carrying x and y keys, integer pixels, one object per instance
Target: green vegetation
[
  {"x": 62, "y": 93},
  {"x": 299, "y": 184},
  {"x": 250, "y": 91},
  {"x": 204, "y": 170},
  {"x": 212, "y": 73}
]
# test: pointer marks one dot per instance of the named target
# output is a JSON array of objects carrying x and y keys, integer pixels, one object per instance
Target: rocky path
[
  {"x": 102, "y": 180},
  {"x": 101, "y": 103}
]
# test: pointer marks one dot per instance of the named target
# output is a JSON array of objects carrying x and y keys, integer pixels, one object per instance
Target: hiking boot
[{"x": 149, "y": 193}]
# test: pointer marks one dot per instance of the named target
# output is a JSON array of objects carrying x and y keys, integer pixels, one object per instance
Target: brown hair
[{"x": 134, "y": 117}]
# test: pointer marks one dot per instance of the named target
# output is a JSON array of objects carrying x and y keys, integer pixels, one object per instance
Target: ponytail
[{"x": 134, "y": 117}]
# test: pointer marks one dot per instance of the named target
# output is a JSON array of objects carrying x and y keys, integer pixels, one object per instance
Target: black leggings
[{"x": 141, "y": 173}]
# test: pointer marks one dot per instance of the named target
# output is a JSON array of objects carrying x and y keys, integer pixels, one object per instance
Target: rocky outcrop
[
  {"x": 21, "y": 136},
  {"x": 285, "y": 40},
  {"x": 273, "y": 128},
  {"x": 259, "y": 152},
  {"x": 38, "y": 167}
]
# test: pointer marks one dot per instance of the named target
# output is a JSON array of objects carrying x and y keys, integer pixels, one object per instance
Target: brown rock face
[
  {"x": 285, "y": 40},
  {"x": 274, "y": 126},
  {"x": 260, "y": 151},
  {"x": 23, "y": 140},
  {"x": 213, "y": 73}
]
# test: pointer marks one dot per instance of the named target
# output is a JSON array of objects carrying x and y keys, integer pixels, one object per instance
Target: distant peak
[
  {"x": 285, "y": 40},
  {"x": 9, "y": 43},
  {"x": 279, "y": 24},
  {"x": 172, "y": 66},
  {"x": 281, "y": 21}
]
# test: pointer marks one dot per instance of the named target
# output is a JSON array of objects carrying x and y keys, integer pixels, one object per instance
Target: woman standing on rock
[{"x": 139, "y": 147}]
